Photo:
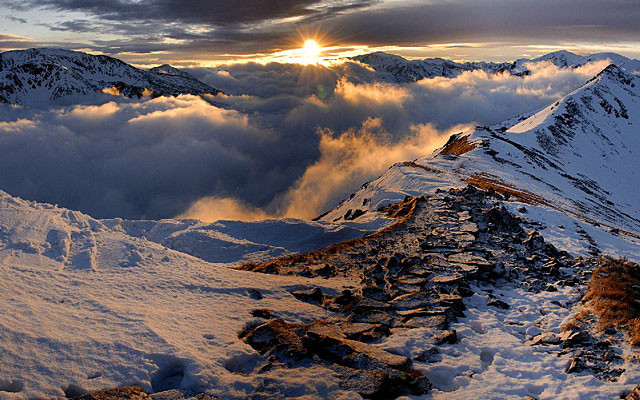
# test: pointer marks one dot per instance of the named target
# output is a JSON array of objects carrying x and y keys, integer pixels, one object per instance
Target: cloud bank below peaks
[{"x": 288, "y": 141}]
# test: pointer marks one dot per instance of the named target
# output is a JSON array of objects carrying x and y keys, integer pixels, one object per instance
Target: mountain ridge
[
  {"x": 400, "y": 70},
  {"x": 572, "y": 157},
  {"x": 49, "y": 75}
]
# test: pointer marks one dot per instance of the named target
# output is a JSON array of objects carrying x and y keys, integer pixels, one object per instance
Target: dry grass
[
  {"x": 614, "y": 296},
  {"x": 457, "y": 146},
  {"x": 401, "y": 211},
  {"x": 489, "y": 182}
]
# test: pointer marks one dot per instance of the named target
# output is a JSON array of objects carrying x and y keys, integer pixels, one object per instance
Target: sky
[{"x": 212, "y": 32}]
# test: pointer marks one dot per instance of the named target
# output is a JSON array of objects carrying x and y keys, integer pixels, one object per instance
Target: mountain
[
  {"x": 474, "y": 288},
  {"x": 577, "y": 158},
  {"x": 397, "y": 69},
  {"x": 45, "y": 76}
]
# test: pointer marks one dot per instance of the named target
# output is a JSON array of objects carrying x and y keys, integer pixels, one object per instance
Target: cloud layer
[{"x": 286, "y": 141}]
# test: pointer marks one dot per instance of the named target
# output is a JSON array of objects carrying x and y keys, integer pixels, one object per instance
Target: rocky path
[{"x": 417, "y": 276}]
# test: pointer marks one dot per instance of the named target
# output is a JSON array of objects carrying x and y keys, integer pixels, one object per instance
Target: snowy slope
[
  {"x": 397, "y": 69},
  {"x": 46, "y": 76},
  {"x": 574, "y": 162},
  {"x": 86, "y": 306}
]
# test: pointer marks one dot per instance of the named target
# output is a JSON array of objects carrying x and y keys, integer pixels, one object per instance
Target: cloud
[
  {"x": 354, "y": 157},
  {"x": 206, "y": 30},
  {"x": 286, "y": 141}
]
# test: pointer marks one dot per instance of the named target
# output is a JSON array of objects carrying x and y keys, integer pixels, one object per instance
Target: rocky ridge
[{"x": 418, "y": 276}]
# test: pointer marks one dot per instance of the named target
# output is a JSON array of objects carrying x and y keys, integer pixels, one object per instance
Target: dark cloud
[
  {"x": 212, "y": 28},
  {"x": 16, "y": 19},
  {"x": 505, "y": 21}
]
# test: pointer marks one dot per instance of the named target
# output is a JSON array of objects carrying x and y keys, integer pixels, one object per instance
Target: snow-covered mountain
[
  {"x": 397, "y": 69},
  {"x": 467, "y": 291},
  {"x": 45, "y": 76},
  {"x": 575, "y": 162}
]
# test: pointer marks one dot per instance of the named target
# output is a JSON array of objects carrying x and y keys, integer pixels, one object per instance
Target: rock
[
  {"x": 494, "y": 302},
  {"x": 454, "y": 302},
  {"x": 263, "y": 313},
  {"x": 275, "y": 333},
  {"x": 498, "y": 218},
  {"x": 571, "y": 338},
  {"x": 169, "y": 395},
  {"x": 575, "y": 365},
  {"x": 449, "y": 337},
  {"x": 369, "y": 384},
  {"x": 325, "y": 271},
  {"x": 436, "y": 322},
  {"x": 330, "y": 344},
  {"x": 452, "y": 279},
  {"x": 428, "y": 355},
  {"x": 312, "y": 295},
  {"x": 546, "y": 338},
  {"x": 203, "y": 396},
  {"x": 375, "y": 293},
  {"x": 411, "y": 301},
  {"x": 364, "y": 332},
  {"x": 123, "y": 393},
  {"x": 255, "y": 294},
  {"x": 446, "y": 312}
]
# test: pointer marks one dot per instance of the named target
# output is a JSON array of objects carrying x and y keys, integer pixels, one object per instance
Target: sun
[{"x": 310, "y": 52}]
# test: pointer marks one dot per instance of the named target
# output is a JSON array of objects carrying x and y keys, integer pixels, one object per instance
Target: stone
[
  {"x": 325, "y": 271},
  {"x": 123, "y": 393},
  {"x": 263, "y": 313},
  {"x": 312, "y": 295},
  {"x": 411, "y": 301},
  {"x": 255, "y": 294},
  {"x": 375, "y": 293},
  {"x": 429, "y": 355},
  {"x": 575, "y": 365},
  {"x": 173, "y": 394},
  {"x": 571, "y": 338},
  {"x": 494, "y": 302},
  {"x": 546, "y": 338},
  {"x": 448, "y": 337}
]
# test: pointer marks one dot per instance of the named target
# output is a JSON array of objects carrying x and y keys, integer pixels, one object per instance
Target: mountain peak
[
  {"x": 615, "y": 74},
  {"x": 166, "y": 69},
  {"x": 44, "y": 75}
]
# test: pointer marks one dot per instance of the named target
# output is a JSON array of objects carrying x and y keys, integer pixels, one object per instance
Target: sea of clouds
[{"x": 284, "y": 141}]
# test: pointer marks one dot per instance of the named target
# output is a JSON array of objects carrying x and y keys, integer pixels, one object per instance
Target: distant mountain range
[
  {"x": 45, "y": 76},
  {"x": 394, "y": 68}
]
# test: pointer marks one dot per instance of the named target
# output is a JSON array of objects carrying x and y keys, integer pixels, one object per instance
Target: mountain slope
[
  {"x": 45, "y": 76},
  {"x": 397, "y": 69},
  {"x": 577, "y": 157},
  {"x": 90, "y": 304}
]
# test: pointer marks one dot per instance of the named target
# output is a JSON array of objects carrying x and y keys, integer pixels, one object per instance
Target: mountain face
[
  {"x": 575, "y": 162},
  {"x": 45, "y": 76},
  {"x": 394, "y": 68}
]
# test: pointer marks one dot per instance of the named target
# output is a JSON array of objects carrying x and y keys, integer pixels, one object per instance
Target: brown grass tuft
[
  {"x": 614, "y": 295},
  {"x": 457, "y": 145}
]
